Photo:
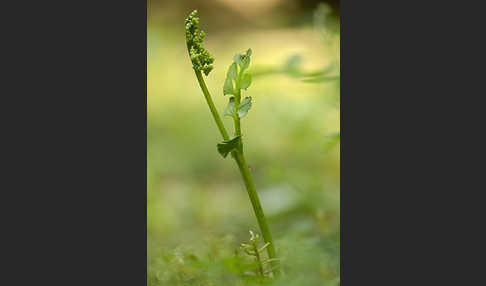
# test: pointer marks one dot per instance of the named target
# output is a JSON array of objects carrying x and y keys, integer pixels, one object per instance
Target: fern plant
[
  {"x": 237, "y": 79},
  {"x": 252, "y": 249}
]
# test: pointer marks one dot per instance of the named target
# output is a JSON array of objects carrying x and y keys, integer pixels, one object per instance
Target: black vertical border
[
  {"x": 411, "y": 188},
  {"x": 74, "y": 128}
]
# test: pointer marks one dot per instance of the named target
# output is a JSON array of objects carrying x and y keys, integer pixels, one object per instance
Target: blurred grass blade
[{"x": 322, "y": 79}]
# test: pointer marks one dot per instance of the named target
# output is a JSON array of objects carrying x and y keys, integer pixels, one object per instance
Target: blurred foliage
[{"x": 198, "y": 209}]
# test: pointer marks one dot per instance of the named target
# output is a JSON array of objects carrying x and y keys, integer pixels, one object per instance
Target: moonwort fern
[
  {"x": 237, "y": 78},
  {"x": 252, "y": 249}
]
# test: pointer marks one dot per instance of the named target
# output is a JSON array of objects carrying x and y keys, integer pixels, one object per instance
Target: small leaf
[
  {"x": 232, "y": 71},
  {"x": 243, "y": 60},
  {"x": 228, "y": 87},
  {"x": 245, "y": 81},
  {"x": 237, "y": 59},
  {"x": 245, "y": 105},
  {"x": 225, "y": 147},
  {"x": 230, "y": 108}
]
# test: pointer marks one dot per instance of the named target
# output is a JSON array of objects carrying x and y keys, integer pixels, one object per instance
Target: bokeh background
[{"x": 198, "y": 208}]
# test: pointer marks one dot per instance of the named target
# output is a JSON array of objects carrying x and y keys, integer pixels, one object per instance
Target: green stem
[
  {"x": 210, "y": 102},
  {"x": 244, "y": 170},
  {"x": 259, "y": 261},
  {"x": 236, "y": 117},
  {"x": 250, "y": 186},
  {"x": 257, "y": 208}
]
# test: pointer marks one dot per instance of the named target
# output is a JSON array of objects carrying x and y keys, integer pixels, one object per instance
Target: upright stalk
[
  {"x": 257, "y": 208},
  {"x": 250, "y": 187},
  {"x": 202, "y": 60},
  {"x": 210, "y": 102},
  {"x": 245, "y": 174},
  {"x": 236, "y": 117}
]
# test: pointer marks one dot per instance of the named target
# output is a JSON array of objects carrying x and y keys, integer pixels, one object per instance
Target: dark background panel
[
  {"x": 73, "y": 107},
  {"x": 409, "y": 202}
]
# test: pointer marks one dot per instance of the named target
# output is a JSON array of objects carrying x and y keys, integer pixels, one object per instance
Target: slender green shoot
[
  {"x": 237, "y": 79},
  {"x": 252, "y": 249}
]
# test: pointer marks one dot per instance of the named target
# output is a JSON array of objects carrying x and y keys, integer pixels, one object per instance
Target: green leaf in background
[
  {"x": 245, "y": 81},
  {"x": 232, "y": 71},
  {"x": 292, "y": 65},
  {"x": 230, "y": 108},
  {"x": 228, "y": 86},
  {"x": 225, "y": 147},
  {"x": 322, "y": 79},
  {"x": 245, "y": 105}
]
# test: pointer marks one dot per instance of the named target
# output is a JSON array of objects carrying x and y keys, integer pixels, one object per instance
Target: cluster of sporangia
[{"x": 200, "y": 57}]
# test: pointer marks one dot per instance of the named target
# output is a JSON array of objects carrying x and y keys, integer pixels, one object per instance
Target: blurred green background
[{"x": 198, "y": 208}]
